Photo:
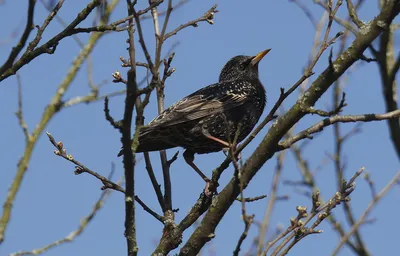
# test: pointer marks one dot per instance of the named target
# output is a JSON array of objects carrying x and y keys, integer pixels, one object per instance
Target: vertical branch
[
  {"x": 271, "y": 203},
  {"x": 160, "y": 97},
  {"x": 338, "y": 143},
  {"x": 129, "y": 148},
  {"x": 19, "y": 112},
  {"x": 387, "y": 68},
  {"x": 153, "y": 180}
]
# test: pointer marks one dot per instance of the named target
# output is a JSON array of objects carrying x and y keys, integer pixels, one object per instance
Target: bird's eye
[{"x": 242, "y": 67}]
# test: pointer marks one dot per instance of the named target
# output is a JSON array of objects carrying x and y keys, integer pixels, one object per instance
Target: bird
[{"x": 211, "y": 118}]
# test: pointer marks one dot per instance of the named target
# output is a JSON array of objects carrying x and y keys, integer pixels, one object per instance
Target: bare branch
[
  {"x": 109, "y": 118},
  {"x": 19, "y": 112},
  {"x": 353, "y": 14},
  {"x": 271, "y": 203},
  {"x": 371, "y": 184},
  {"x": 80, "y": 168},
  {"x": 248, "y": 221},
  {"x": 208, "y": 16},
  {"x": 306, "y": 11},
  {"x": 332, "y": 120},
  {"x": 107, "y": 183},
  {"x": 322, "y": 113},
  {"x": 50, "y": 46},
  {"x": 24, "y": 38},
  {"x": 364, "y": 216},
  {"x": 338, "y": 20},
  {"x": 74, "y": 234},
  {"x": 251, "y": 199},
  {"x": 298, "y": 229},
  {"x": 154, "y": 181},
  {"x": 128, "y": 145}
]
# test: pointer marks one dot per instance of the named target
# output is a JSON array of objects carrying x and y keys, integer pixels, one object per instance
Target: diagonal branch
[
  {"x": 74, "y": 234},
  {"x": 364, "y": 216},
  {"x": 50, "y": 46},
  {"x": 298, "y": 226},
  {"x": 24, "y": 38},
  {"x": 107, "y": 183},
  {"x": 208, "y": 16}
]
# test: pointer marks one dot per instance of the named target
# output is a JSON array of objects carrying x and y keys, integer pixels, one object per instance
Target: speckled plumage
[{"x": 233, "y": 104}]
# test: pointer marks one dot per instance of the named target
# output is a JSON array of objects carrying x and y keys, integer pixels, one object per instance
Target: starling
[{"x": 209, "y": 119}]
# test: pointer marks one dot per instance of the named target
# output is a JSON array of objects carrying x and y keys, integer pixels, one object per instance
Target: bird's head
[{"x": 242, "y": 67}]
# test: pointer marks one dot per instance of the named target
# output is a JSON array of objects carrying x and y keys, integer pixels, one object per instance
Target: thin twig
[
  {"x": 154, "y": 181},
  {"x": 353, "y": 14},
  {"x": 247, "y": 219},
  {"x": 19, "y": 112},
  {"x": 109, "y": 118},
  {"x": 24, "y": 38},
  {"x": 107, "y": 183},
  {"x": 298, "y": 230},
  {"x": 335, "y": 119},
  {"x": 74, "y": 234},
  {"x": 251, "y": 199},
  {"x": 208, "y": 16},
  {"x": 80, "y": 168},
  {"x": 364, "y": 216},
  {"x": 271, "y": 203}
]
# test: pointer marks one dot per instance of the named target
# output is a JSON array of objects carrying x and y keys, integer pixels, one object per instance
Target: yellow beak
[{"x": 259, "y": 57}]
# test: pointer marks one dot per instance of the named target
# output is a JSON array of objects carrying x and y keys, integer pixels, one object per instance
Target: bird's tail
[{"x": 149, "y": 141}]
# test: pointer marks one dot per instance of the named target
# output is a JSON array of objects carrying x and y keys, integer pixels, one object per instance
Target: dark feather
[{"x": 204, "y": 102}]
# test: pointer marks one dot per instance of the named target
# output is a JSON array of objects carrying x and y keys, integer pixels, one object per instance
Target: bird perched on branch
[{"x": 211, "y": 118}]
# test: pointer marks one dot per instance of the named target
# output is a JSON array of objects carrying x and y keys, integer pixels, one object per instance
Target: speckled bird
[{"x": 208, "y": 119}]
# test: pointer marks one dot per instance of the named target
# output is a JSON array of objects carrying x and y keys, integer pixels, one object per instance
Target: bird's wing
[{"x": 204, "y": 102}]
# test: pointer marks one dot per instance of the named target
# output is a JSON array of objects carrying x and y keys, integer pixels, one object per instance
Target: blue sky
[{"x": 52, "y": 200}]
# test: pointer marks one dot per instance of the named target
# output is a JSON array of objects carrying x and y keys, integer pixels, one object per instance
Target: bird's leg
[
  {"x": 209, "y": 136},
  {"x": 189, "y": 158},
  {"x": 227, "y": 145}
]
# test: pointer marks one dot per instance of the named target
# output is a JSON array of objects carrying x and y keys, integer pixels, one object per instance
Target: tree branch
[
  {"x": 129, "y": 147},
  {"x": 50, "y": 46},
  {"x": 208, "y": 16},
  {"x": 19, "y": 112},
  {"x": 298, "y": 229},
  {"x": 353, "y": 14},
  {"x": 335, "y": 119},
  {"x": 271, "y": 203},
  {"x": 107, "y": 183},
  {"x": 364, "y": 216},
  {"x": 24, "y": 38},
  {"x": 74, "y": 234}
]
